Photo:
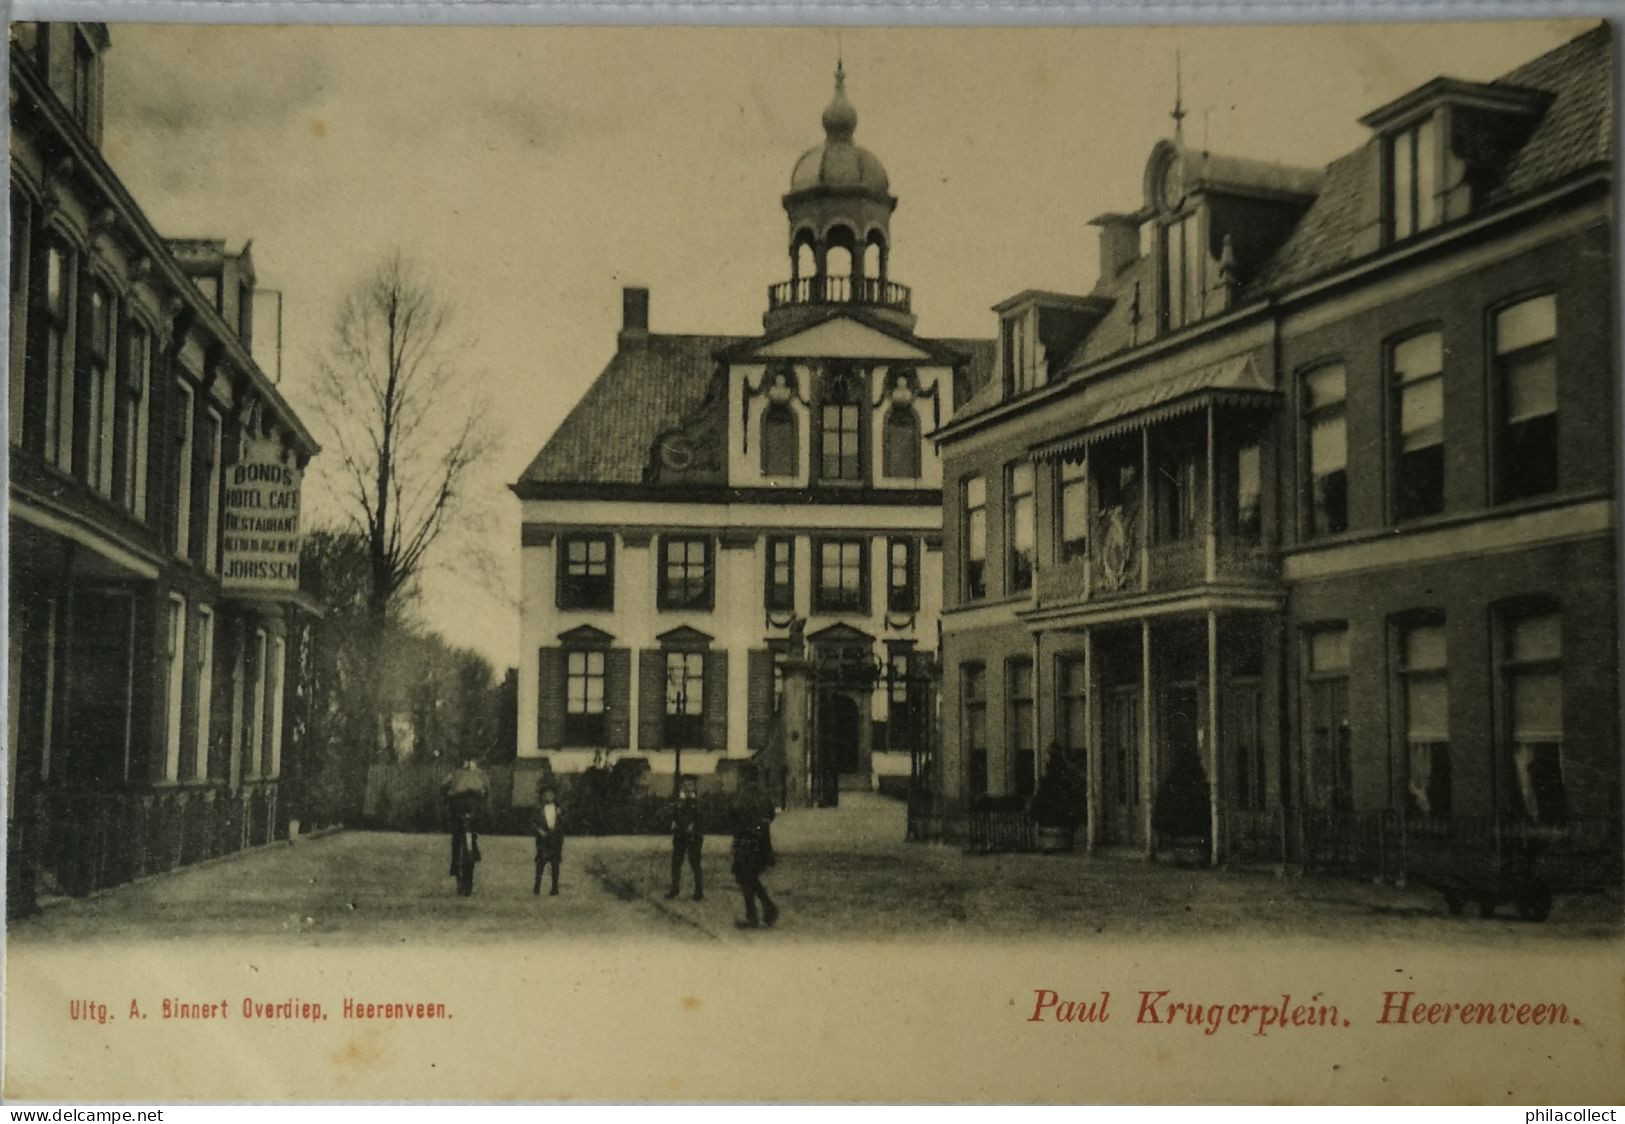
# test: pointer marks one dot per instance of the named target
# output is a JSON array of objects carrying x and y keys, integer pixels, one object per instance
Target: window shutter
[
  {"x": 865, "y": 576},
  {"x": 759, "y": 699},
  {"x": 651, "y": 698},
  {"x": 618, "y": 698},
  {"x": 716, "y": 700},
  {"x": 549, "y": 698}
]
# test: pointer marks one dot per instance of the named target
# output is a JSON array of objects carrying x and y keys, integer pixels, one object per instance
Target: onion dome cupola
[{"x": 839, "y": 205}]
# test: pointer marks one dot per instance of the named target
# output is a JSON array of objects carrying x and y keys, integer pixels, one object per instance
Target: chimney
[
  {"x": 1119, "y": 243},
  {"x": 634, "y": 316}
]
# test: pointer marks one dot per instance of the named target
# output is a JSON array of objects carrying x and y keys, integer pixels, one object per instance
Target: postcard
[{"x": 1069, "y": 564}]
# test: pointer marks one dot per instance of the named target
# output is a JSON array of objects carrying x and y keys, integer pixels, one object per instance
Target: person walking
[
  {"x": 466, "y": 792},
  {"x": 549, "y": 829},
  {"x": 468, "y": 853},
  {"x": 753, "y": 853},
  {"x": 687, "y": 838}
]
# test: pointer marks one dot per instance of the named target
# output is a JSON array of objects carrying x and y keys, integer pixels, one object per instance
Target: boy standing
[
  {"x": 549, "y": 829},
  {"x": 687, "y": 838}
]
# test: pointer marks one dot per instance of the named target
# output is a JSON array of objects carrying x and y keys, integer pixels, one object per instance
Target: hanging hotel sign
[{"x": 260, "y": 527}]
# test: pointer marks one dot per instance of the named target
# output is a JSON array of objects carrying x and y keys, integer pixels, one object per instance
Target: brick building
[
  {"x": 146, "y": 680},
  {"x": 1306, "y": 512},
  {"x": 710, "y": 497}
]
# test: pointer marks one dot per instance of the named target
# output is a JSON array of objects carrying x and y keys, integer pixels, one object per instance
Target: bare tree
[
  {"x": 405, "y": 436},
  {"x": 403, "y": 431}
]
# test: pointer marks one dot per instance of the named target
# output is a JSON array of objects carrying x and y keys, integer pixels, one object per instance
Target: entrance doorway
[
  {"x": 1181, "y": 812},
  {"x": 1120, "y": 766},
  {"x": 100, "y": 666},
  {"x": 839, "y": 730}
]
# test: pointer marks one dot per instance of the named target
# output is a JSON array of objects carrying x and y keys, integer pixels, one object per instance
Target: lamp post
[{"x": 677, "y": 682}]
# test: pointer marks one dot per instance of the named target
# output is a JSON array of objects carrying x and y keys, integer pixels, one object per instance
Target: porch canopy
[{"x": 1109, "y": 411}]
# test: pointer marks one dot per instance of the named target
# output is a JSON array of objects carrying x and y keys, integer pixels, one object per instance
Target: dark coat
[
  {"x": 549, "y": 843},
  {"x": 752, "y": 833},
  {"x": 686, "y": 827}
]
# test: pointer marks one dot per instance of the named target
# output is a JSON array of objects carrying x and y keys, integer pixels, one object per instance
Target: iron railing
[
  {"x": 840, "y": 290},
  {"x": 1581, "y": 854},
  {"x": 73, "y": 842}
]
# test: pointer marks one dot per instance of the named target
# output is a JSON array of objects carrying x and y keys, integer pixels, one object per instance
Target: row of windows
[
  {"x": 684, "y": 705},
  {"x": 1527, "y": 660},
  {"x": 1176, "y": 506},
  {"x": 1529, "y": 718},
  {"x": 263, "y": 664},
  {"x": 92, "y": 361},
  {"x": 687, "y": 573},
  {"x": 840, "y": 450},
  {"x": 1524, "y": 447}
]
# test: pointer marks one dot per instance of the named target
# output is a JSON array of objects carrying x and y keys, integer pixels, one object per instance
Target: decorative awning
[{"x": 1232, "y": 381}]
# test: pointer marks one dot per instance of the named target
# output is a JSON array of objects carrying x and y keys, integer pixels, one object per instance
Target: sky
[{"x": 535, "y": 171}]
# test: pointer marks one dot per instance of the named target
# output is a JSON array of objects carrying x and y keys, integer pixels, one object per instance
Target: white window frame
[
  {"x": 103, "y": 392},
  {"x": 279, "y": 666},
  {"x": 138, "y": 403},
  {"x": 175, "y": 652},
  {"x": 60, "y": 377},
  {"x": 183, "y": 471},
  {"x": 205, "y": 688},
  {"x": 22, "y": 232},
  {"x": 256, "y": 735},
  {"x": 211, "y": 533}
]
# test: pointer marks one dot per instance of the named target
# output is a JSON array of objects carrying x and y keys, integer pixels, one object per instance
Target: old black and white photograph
[{"x": 978, "y": 564}]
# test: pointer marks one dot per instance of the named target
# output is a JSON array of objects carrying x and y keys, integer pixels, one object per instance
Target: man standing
[
  {"x": 687, "y": 837},
  {"x": 549, "y": 841},
  {"x": 753, "y": 852},
  {"x": 466, "y": 792}
]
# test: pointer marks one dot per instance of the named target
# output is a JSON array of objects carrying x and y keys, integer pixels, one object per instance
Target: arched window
[
  {"x": 780, "y": 438},
  {"x": 841, "y": 261},
  {"x": 900, "y": 444},
  {"x": 840, "y": 427},
  {"x": 874, "y": 256},
  {"x": 803, "y": 256}
]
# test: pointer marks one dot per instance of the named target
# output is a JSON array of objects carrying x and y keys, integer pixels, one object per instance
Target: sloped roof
[
  {"x": 1577, "y": 130},
  {"x": 649, "y": 387},
  {"x": 1574, "y": 133},
  {"x": 1110, "y": 410}
]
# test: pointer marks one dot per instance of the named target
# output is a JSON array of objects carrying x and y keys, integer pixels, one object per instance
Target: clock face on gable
[
  {"x": 1171, "y": 182},
  {"x": 676, "y": 452}
]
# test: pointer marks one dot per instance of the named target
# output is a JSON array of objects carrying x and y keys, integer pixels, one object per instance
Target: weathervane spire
[{"x": 1179, "y": 101}]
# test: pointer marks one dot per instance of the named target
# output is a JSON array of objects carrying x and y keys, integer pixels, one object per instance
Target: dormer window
[
  {"x": 1182, "y": 273},
  {"x": 84, "y": 83},
  {"x": 1410, "y": 190},
  {"x": 1020, "y": 372}
]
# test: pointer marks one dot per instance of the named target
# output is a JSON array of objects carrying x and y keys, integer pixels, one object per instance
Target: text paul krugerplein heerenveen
[{"x": 1259, "y": 1017}]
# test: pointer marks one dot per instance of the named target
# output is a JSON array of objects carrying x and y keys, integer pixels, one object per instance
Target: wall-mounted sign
[{"x": 260, "y": 532}]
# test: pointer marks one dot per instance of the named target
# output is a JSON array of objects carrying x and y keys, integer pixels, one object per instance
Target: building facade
[
  {"x": 1304, "y": 516},
  {"x": 714, "y": 503},
  {"x": 145, "y": 681}
]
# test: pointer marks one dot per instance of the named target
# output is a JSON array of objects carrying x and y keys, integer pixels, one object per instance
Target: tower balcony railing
[{"x": 840, "y": 290}]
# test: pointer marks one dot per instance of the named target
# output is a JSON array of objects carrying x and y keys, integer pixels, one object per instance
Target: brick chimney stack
[
  {"x": 1119, "y": 244},
  {"x": 634, "y": 316}
]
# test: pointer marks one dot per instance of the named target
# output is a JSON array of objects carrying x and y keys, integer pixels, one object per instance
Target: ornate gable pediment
[
  {"x": 586, "y": 636},
  {"x": 844, "y": 338},
  {"x": 684, "y": 636},
  {"x": 840, "y": 634},
  {"x": 694, "y": 451}
]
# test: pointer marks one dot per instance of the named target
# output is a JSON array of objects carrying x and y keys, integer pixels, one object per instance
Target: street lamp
[{"x": 677, "y": 683}]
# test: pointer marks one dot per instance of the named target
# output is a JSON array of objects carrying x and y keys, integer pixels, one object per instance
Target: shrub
[{"x": 1061, "y": 791}]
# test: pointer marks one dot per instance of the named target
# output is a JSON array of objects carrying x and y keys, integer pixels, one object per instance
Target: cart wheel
[
  {"x": 1486, "y": 907},
  {"x": 1453, "y": 903},
  {"x": 1535, "y": 902}
]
